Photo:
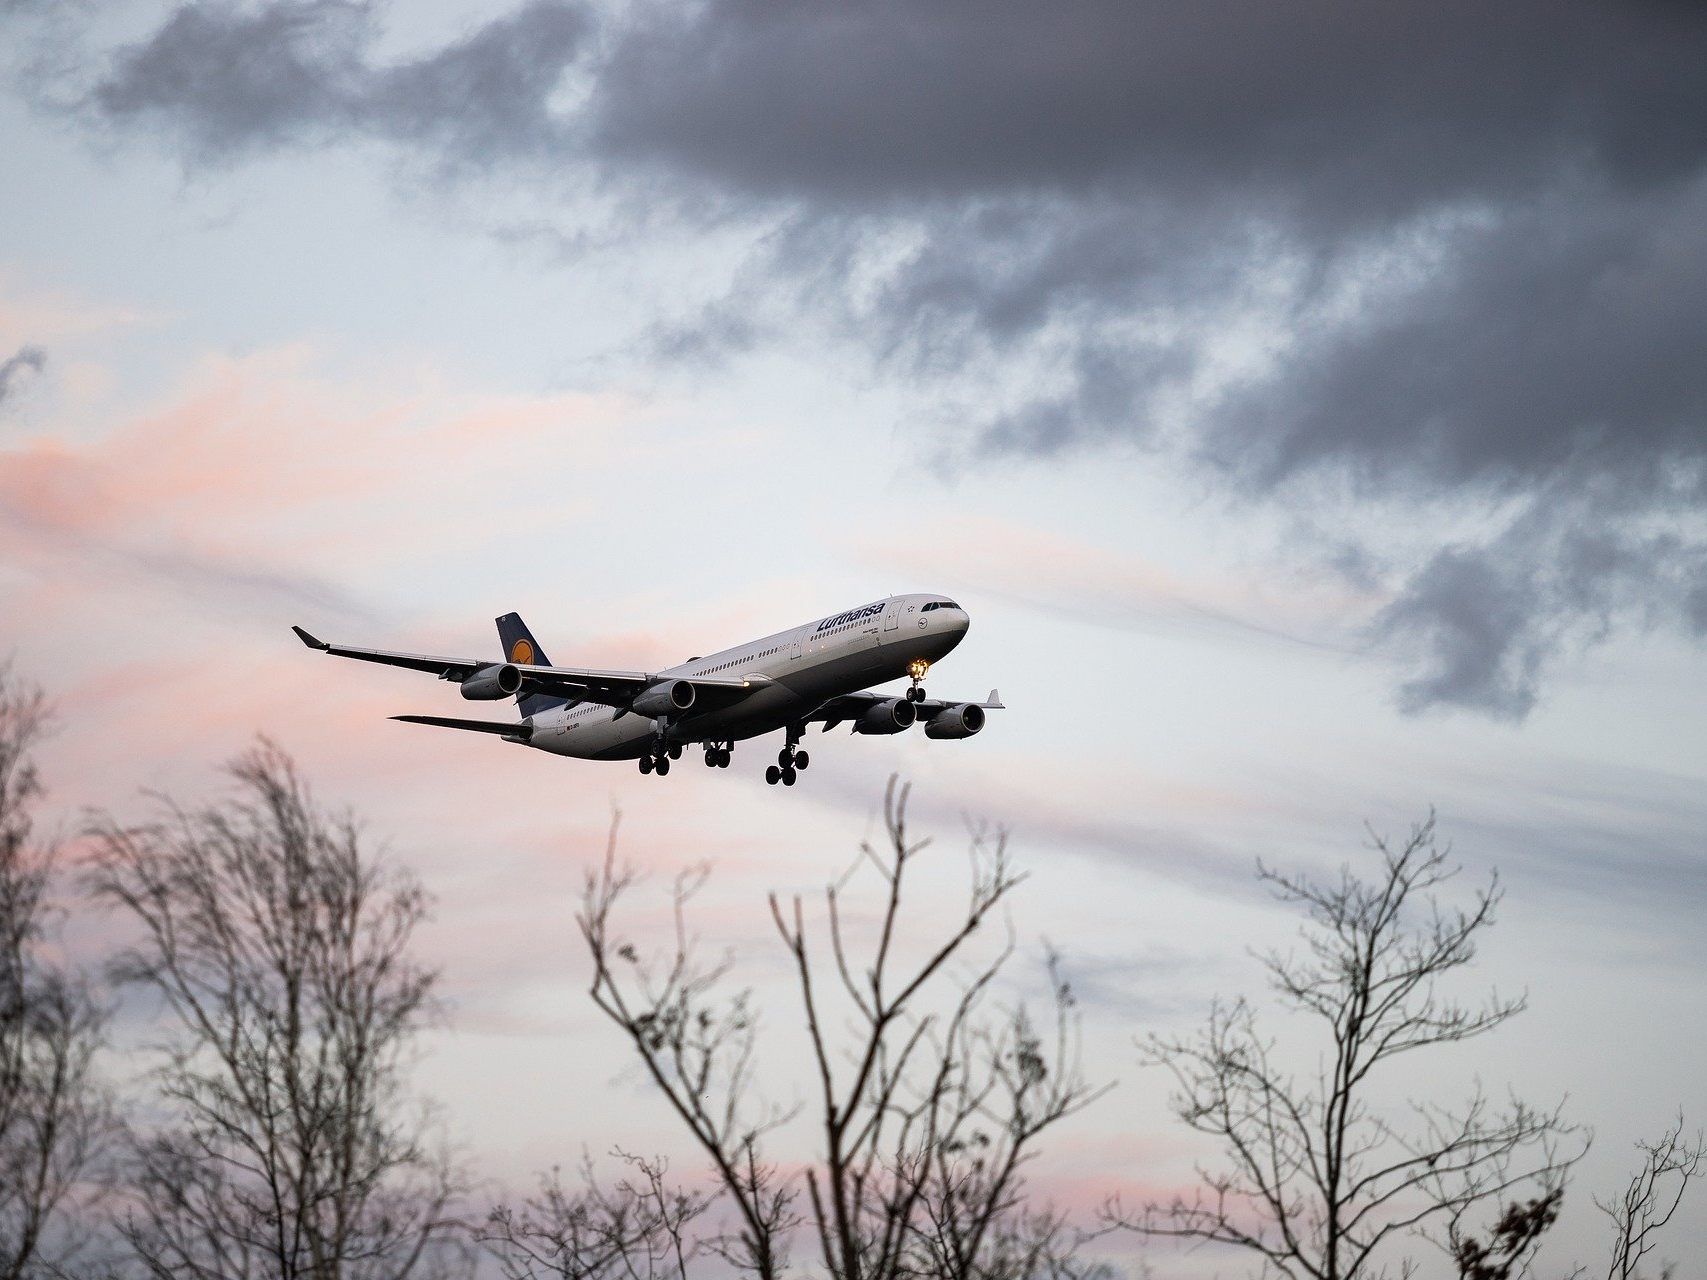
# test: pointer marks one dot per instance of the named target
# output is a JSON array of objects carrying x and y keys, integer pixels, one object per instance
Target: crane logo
[{"x": 521, "y": 651}]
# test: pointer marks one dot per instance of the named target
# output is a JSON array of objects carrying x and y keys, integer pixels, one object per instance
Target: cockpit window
[
  {"x": 939, "y": 604},
  {"x": 948, "y": 604},
  {"x": 929, "y": 606}
]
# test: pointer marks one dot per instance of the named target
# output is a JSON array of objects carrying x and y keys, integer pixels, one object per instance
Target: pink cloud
[
  {"x": 42, "y": 316},
  {"x": 255, "y": 461}
]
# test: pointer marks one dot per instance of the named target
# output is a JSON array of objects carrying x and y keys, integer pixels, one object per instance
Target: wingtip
[{"x": 309, "y": 640}]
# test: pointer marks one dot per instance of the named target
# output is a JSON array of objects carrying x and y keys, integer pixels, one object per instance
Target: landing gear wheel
[
  {"x": 801, "y": 759},
  {"x": 676, "y": 752},
  {"x": 663, "y": 765},
  {"x": 772, "y": 774},
  {"x": 785, "y": 757},
  {"x": 788, "y": 777},
  {"x": 645, "y": 764},
  {"x": 711, "y": 757},
  {"x": 916, "y": 694},
  {"x": 724, "y": 757}
]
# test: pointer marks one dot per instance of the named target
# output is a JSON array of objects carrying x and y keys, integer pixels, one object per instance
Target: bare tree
[
  {"x": 1316, "y": 1178},
  {"x": 279, "y": 945},
  {"x": 634, "y": 1230},
  {"x": 698, "y": 1049},
  {"x": 1648, "y": 1203},
  {"x": 53, "y": 1117},
  {"x": 928, "y": 1103}
]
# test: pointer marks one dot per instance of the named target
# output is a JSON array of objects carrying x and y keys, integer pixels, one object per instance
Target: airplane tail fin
[{"x": 520, "y": 647}]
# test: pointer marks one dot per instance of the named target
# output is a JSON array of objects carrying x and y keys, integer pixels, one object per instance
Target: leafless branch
[
  {"x": 1654, "y": 1193},
  {"x": 280, "y": 947},
  {"x": 1315, "y": 1181},
  {"x": 636, "y": 1229},
  {"x": 53, "y": 1118},
  {"x": 928, "y": 1103},
  {"x": 697, "y": 1047}
]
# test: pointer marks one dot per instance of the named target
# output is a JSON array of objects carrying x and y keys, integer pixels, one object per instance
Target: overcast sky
[{"x": 1308, "y": 402}]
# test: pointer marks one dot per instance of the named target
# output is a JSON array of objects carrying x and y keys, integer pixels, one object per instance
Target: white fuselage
[{"x": 793, "y": 672}]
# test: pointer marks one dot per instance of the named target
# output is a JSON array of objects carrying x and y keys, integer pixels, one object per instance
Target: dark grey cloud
[
  {"x": 228, "y": 81},
  {"x": 1566, "y": 336},
  {"x": 1485, "y": 619},
  {"x": 1348, "y": 112},
  {"x": 16, "y": 367},
  {"x": 1473, "y": 238}
]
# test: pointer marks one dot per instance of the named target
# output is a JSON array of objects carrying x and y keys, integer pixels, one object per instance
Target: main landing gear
[
  {"x": 791, "y": 762},
  {"x": 658, "y": 759},
  {"x": 718, "y": 754},
  {"x": 916, "y": 672}
]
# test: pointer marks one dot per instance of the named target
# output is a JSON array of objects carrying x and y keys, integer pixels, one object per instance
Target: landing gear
[
  {"x": 916, "y": 672},
  {"x": 658, "y": 760},
  {"x": 790, "y": 761},
  {"x": 660, "y": 751},
  {"x": 717, "y": 754}
]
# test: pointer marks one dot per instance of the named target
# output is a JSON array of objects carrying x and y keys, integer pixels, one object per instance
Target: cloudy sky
[{"x": 1308, "y": 401}]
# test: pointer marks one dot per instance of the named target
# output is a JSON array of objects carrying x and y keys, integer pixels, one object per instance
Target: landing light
[{"x": 917, "y": 667}]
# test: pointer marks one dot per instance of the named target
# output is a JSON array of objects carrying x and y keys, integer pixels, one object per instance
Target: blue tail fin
[{"x": 521, "y": 647}]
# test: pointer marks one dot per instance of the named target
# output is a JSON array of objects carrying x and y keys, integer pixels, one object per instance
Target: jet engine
[
  {"x": 500, "y": 680},
  {"x": 666, "y": 698},
  {"x": 959, "y": 721},
  {"x": 891, "y": 716}
]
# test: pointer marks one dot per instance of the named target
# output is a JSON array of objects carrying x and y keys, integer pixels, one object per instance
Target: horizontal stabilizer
[{"x": 512, "y": 732}]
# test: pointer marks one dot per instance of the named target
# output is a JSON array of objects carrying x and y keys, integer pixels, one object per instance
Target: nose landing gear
[
  {"x": 916, "y": 670},
  {"x": 718, "y": 754}
]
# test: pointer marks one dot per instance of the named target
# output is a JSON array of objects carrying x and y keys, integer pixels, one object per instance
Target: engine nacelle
[
  {"x": 666, "y": 698},
  {"x": 891, "y": 716},
  {"x": 959, "y": 721},
  {"x": 500, "y": 680}
]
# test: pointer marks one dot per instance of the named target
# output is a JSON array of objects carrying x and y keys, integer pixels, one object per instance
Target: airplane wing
[
  {"x": 851, "y": 706},
  {"x": 579, "y": 684}
]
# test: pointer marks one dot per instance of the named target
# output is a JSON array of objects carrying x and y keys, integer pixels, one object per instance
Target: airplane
[{"x": 820, "y": 671}]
